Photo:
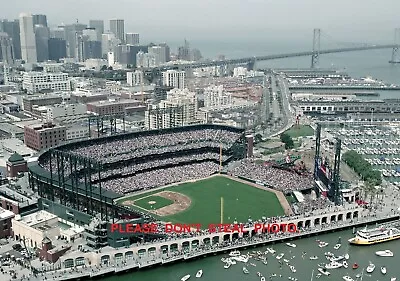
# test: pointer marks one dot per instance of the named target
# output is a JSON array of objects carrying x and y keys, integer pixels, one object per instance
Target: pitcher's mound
[{"x": 152, "y": 202}]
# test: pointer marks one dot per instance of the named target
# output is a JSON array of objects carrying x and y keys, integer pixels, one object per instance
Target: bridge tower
[
  {"x": 316, "y": 48},
  {"x": 317, "y": 157},
  {"x": 395, "y": 50}
]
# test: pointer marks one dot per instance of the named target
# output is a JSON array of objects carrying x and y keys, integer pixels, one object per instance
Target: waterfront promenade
[{"x": 137, "y": 262}]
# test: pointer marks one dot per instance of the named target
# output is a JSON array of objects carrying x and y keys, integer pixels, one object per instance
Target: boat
[
  {"x": 234, "y": 253},
  {"x": 227, "y": 265},
  {"x": 199, "y": 273},
  {"x": 286, "y": 260},
  {"x": 370, "y": 268},
  {"x": 278, "y": 257},
  {"x": 271, "y": 251},
  {"x": 355, "y": 266},
  {"x": 186, "y": 277},
  {"x": 323, "y": 271},
  {"x": 291, "y": 245},
  {"x": 333, "y": 265},
  {"x": 259, "y": 274},
  {"x": 385, "y": 253},
  {"x": 292, "y": 268},
  {"x": 383, "y": 270},
  {"x": 346, "y": 256},
  {"x": 375, "y": 236},
  {"x": 265, "y": 262},
  {"x": 252, "y": 264},
  {"x": 347, "y": 278},
  {"x": 338, "y": 258},
  {"x": 393, "y": 279},
  {"x": 313, "y": 258},
  {"x": 262, "y": 278},
  {"x": 337, "y": 246},
  {"x": 345, "y": 264},
  {"x": 322, "y": 244},
  {"x": 245, "y": 270}
]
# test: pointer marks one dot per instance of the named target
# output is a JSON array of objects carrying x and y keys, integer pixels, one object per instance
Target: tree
[
  {"x": 103, "y": 68},
  {"x": 362, "y": 167},
  {"x": 287, "y": 140}
]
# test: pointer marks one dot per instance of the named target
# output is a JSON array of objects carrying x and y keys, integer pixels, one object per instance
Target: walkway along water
[{"x": 125, "y": 265}]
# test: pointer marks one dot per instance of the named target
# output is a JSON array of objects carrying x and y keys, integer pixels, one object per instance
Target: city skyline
[{"x": 367, "y": 19}]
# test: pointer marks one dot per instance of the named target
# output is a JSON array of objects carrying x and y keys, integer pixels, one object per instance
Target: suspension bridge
[{"x": 314, "y": 53}]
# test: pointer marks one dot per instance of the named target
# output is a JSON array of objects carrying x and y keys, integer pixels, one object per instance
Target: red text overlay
[{"x": 212, "y": 228}]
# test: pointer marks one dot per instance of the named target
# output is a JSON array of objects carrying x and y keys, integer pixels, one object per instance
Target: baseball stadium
[{"x": 179, "y": 175}]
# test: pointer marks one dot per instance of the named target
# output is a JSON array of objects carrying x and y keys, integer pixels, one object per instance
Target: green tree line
[{"x": 362, "y": 167}]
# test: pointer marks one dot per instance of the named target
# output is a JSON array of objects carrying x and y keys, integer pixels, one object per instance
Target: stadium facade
[{"x": 75, "y": 186}]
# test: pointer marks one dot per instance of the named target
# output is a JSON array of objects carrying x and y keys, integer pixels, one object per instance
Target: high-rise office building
[
  {"x": 6, "y": 49},
  {"x": 159, "y": 54},
  {"x": 132, "y": 39},
  {"x": 108, "y": 43},
  {"x": 167, "y": 51},
  {"x": 72, "y": 32},
  {"x": 28, "y": 40},
  {"x": 58, "y": 32},
  {"x": 12, "y": 29},
  {"x": 39, "y": 19},
  {"x": 42, "y": 35},
  {"x": 98, "y": 25},
  {"x": 117, "y": 27},
  {"x": 57, "y": 49}
]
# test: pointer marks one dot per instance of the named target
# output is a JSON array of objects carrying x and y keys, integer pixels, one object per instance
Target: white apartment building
[
  {"x": 179, "y": 109},
  {"x": 174, "y": 78},
  {"x": 134, "y": 78},
  {"x": 145, "y": 60},
  {"x": 66, "y": 112},
  {"x": 239, "y": 72},
  {"x": 215, "y": 97},
  {"x": 34, "y": 82},
  {"x": 28, "y": 40}
]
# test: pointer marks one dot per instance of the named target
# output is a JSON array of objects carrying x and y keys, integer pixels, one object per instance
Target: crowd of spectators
[
  {"x": 279, "y": 179},
  {"x": 161, "y": 177},
  {"x": 309, "y": 205},
  {"x": 123, "y": 149}
]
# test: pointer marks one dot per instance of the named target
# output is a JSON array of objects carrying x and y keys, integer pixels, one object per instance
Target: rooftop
[
  {"x": 10, "y": 128},
  {"x": 114, "y": 101},
  {"x": 38, "y": 218},
  {"x": 16, "y": 145},
  {"x": 15, "y": 158},
  {"x": 6, "y": 214}
]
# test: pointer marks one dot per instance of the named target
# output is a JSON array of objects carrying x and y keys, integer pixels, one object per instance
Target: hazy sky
[{"x": 165, "y": 20}]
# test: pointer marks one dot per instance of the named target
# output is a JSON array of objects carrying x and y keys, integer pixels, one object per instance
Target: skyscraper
[
  {"x": 6, "y": 48},
  {"x": 28, "y": 41},
  {"x": 12, "y": 29},
  {"x": 132, "y": 38},
  {"x": 57, "y": 49},
  {"x": 118, "y": 28},
  {"x": 42, "y": 35},
  {"x": 39, "y": 19},
  {"x": 98, "y": 25}
]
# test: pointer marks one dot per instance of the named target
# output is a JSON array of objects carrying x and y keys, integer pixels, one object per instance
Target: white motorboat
[
  {"x": 234, "y": 253},
  {"x": 333, "y": 265},
  {"x": 322, "y": 244},
  {"x": 262, "y": 278},
  {"x": 291, "y": 245},
  {"x": 347, "y": 278},
  {"x": 385, "y": 253},
  {"x": 245, "y": 270},
  {"x": 199, "y": 273},
  {"x": 231, "y": 261},
  {"x": 292, "y": 268},
  {"x": 272, "y": 251},
  {"x": 186, "y": 277},
  {"x": 370, "y": 268},
  {"x": 393, "y": 279},
  {"x": 313, "y": 258},
  {"x": 265, "y": 262},
  {"x": 383, "y": 270},
  {"x": 240, "y": 258},
  {"x": 278, "y": 257},
  {"x": 347, "y": 256},
  {"x": 345, "y": 264},
  {"x": 337, "y": 246},
  {"x": 227, "y": 265},
  {"x": 338, "y": 258},
  {"x": 323, "y": 271}
]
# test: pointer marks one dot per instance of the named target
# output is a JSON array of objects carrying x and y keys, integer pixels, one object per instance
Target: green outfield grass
[
  {"x": 147, "y": 203},
  {"x": 240, "y": 202},
  {"x": 300, "y": 131}
]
